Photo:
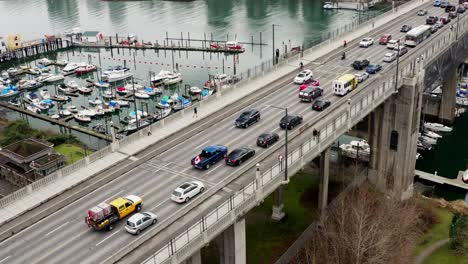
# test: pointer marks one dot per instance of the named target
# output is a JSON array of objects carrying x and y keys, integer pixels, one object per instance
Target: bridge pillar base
[
  {"x": 324, "y": 177},
  {"x": 278, "y": 213},
  {"x": 232, "y": 244}
]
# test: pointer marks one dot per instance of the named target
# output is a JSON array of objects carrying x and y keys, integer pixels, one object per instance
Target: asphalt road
[{"x": 63, "y": 237}]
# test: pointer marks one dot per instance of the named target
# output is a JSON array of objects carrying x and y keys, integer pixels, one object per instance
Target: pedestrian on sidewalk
[
  {"x": 195, "y": 112},
  {"x": 149, "y": 131},
  {"x": 372, "y": 24},
  {"x": 344, "y": 43}
]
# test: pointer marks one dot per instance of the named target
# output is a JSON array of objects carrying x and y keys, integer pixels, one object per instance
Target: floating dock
[{"x": 442, "y": 180}]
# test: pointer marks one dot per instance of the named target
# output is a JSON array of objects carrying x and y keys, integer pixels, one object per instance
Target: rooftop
[
  {"x": 90, "y": 33},
  {"x": 46, "y": 160},
  {"x": 25, "y": 148}
]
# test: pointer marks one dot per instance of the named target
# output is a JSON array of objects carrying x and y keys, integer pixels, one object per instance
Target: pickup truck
[
  {"x": 209, "y": 156},
  {"x": 104, "y": 215}
]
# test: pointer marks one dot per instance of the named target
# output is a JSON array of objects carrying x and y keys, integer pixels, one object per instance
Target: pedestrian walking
[
  {"x": 195, "y": 112},
  {"x": 344, "y": 43}
]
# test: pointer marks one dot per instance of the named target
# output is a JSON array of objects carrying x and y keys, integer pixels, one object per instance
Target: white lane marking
[
  {"x": 202, "y": 144},
  {"x": 214, "y": 169},
  {"x": 115, "y": 194},
  {"x": 62, "y": 225},
  {"x": 5, "y": 259},
  {"x": 275, "y": 129},
  {"x": 133, "y": 158},
  {"x": 159, "y": 204},
  {"x": 106, "y": 238}
]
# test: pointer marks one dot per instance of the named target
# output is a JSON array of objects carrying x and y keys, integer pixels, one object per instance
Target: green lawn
[
  {"x": 72, "y": 152},
  {"x": 438, "y": 232},
  {"x": 445, "y": 256}
]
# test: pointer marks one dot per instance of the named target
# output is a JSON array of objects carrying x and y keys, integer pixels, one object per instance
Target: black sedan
[
  {"x": 320, "y": 105},
  {"x": 239, "y": 155},
  {"x": 310, "y": 93},
  {"x": 267, "y": 139},
  {"x": 290, "y": 121},
  {"x": 360, "y": 64},
  {"x": 247, "y": 118},
  {"x": 405, "y": 28}
]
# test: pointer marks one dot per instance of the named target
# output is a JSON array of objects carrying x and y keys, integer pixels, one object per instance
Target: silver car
[
  {"x": 139, "y": 221},
  {"x": 361, "y": 76}
]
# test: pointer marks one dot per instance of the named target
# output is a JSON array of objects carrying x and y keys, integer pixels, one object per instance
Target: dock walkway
[{"x": 442, "y": 180}]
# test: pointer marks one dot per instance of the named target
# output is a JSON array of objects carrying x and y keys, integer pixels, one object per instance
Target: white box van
[{"x": 391, "y": 44}]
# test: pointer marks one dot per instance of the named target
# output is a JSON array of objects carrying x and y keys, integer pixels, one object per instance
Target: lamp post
[
  {"x": 286, "y": 179},
  {"x": 273, "y": 27},
  {"x": 397, "y": 64},
  {"x": 458, "y": 20},
  {"x": 135, "y": 104}
]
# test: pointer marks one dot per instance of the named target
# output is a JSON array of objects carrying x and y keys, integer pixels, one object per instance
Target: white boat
[
  {"x": 432, "y": 134},
  {"x": 465, "y": 180},
  {"x": 45, "y": 93},
  {"x": 55, "y": 116},
  {"x": 14, "y": 102},
  {"x": 151, "y": 91},
  {"x": 166, "y": 77},
  {"x": 8, "y": 91},
  {"x": 32, "y": 97},
  {"x": 418, "y": 156},
  {"x": 72, "y": 109},
  {"x": 117, "y": 75},
  {"x": 42, "y": 78},
  {"x": 142, "y": 95},
  {"x": 133, "y": 86},
  {"x": 206, "y": 92},
  {"x": 121, "y": 90},
  {"x": 60, "y": 98},
  {"x": 327, "y": 5},
  {"x": 84, "y": 69},
  {"x": 44, "y": 62},
  {"x": 82, "y": 118},
  {"x": 71, "y": 67},
  {"x": 99, "y": 111},
  {"x": 461, "y": 101},
  {"x": 30, "y": 84},
  {"x": 96, "y": 101},
  {"x": 33, "y": 109},
  {"x": 437, "y": 127},
  {"x": 65, "y": 89},
  {"x": 162, "y": 112},
  {"x": 437, "y": 90},
  {"x": 12, "y": 71},
  {"x": 181, "y": 103},
  {"x": 87, "y": 112},
  {"x": 132, "y": 125},
  {"x": 101, "y": 84},
  {"x": 64, "y": 113},
  {"x": 54, "y": 78},
  {"x": 84, "y": 90},
  {"x": 428, "y": 140},
  {"x": 173, "y": 78},
  {"x": 121, "y": 103},
  {"x": 72, "y": 84},
  {"x": 61, "y": 62},
  {"x": 108, "y": 95},
  {"x": 195, "y": 90},
  {"x": 139, "y": 113},
  {"x": 356, "y": 148}
]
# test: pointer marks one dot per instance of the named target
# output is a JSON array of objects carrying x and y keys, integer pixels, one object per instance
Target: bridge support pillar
[
  {"x": 278, "y": 204},
  {"x": 394, "y": 137},
  {"x": 324, "y": 176},
  {"x": 194, "y": 259},
  {"x": 232, "y": 244},
  {"x": 447, "y": 104}
]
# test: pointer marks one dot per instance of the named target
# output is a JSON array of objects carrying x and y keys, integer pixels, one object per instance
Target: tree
[
  {"x": 19, "y": 130},
  {"x": 459, "y": 234}
]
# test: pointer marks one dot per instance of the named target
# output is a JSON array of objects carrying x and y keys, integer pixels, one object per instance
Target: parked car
[
  {"x": 310, "y": 93},
  {"x": 139, "y": 221},
  {"x": 391, "y": 44},
  {"x": 389, "y": 57},
  {"x": 239, "y": 155},
  {"x": 366, "y": 42},
  {"x": 444, "y": 4},
  {"x": 401, "y": 50},
  {"x": 405, "y": 28},
  {"x": 303, "y": 76},
  {"x": 461, "y": 9},
  {"x": 437, "y": 3},
  {"x": 384, "y": 39},
  {"x": 422, "y": 12},
  {"x": 453, "y": 14},
  {"x": 267, "y": 139},
  {"x": 431, "y": 20},
  {"x": 450, "y": 8},
  {"x": 434, "y": 28},
  {"x": 209, "y": 156},
  {"x": 360, "y": 64},
  {"x": 290, "y": 121},
  {"x": 247, "y": 118},
  {"x": 373, "y": 68},
  {"x": 361, "y": 76},
  {"x": 320, "y": 105},
  {"x": 187, "y": 191}
]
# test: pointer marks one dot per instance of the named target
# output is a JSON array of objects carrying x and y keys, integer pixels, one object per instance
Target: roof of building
[
  {"x": 25, "y": 148},
  {"x": 90, "y": 33},
  {"x": 46, "y": 160}
]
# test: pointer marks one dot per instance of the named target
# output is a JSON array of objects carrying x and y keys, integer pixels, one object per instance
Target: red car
[
  {"x": 384, "y": 39},
  {"x": 309, "y": 83},
  {"x": 215, "y": 46}
]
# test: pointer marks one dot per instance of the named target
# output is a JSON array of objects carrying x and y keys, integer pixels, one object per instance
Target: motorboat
[
  {"x": 9, "y": 91},
  {"x": 162, "y": 112},
  {"x": 72, "y": 84},
  {"x": 121, "y": 91},
  {"x": 206, "y": 92},
  {"x": 54, "y": 78},
  {"x": 461, "y": 101},
  {"x": 14, "y": 102},
  {"x": 12, "y": 71},
  {"x": 70, "y": 68},
  {"x": 418, "y": 156},
  {"x": 465, "y": 177},
  {"x": 84, "y": 90},
  {"x": 99, "y": 128},
  {"x": 116, "y": 74},
  {"x": 30, "y": 84},
  {"x": 428, "y": 140},
  {"x": 108, "y": 95},
  {"x": 110, "y": 107},
  {"x": 173, "y": 78},
  {"x": 45, "y": 93},
  {"x": 356, "y": 149},
  {"x": 437, "y": 90},
  {"x": 87, "y": 112},
  {"x": 166, "y": 101},
  {"x": 99, "y": 111},
  {"x": 327, "y": 5},
  {"x": 101, "y": 84},
  {"x": 33, "y": 109},
  {"x": 84, "y": 69},
  {"x": 436, "y": 127},
  {"x": 44, "y": 62},
  {"x": 82, "y": 118},
  {"x": 43, "y": 77},
  {"x": 195, "y": 90},
  {"x": 32, "y": 97},
  {"x": 72, "y": 109},
  {"x": 61, "y": 62},
  {"x": 47, "y": 103},
  {"x": 42, "y": 69},
  {"x": 142, "y": 95},
  {"x": 121, "y": 103},
  {"x": 60, "y": 98},
  {"x": 96, "y": 101},
  {"x": 55, "y": 116},
  {"x": 181, "y": 103},
  {"x": 65, "y": 113},
  {"x": 432, "y": 134},
  {"x": 166, "y": 78},
  {"x": 65, "y": 89},
  {"x": 132, "y": 126},
  {"x": 424, "y": 145},
  {"x": 138, "y": 113},
  {"x": 150, "y": 91},
  {"x": 133, "y": 86},
  {"x": 234, "y": 45}
]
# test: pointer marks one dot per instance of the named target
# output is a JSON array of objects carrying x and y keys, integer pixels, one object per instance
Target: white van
[{"x": 391, "y": 44}]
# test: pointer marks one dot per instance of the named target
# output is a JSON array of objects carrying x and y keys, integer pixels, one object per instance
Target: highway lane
[{"x": 155, "y": 184}]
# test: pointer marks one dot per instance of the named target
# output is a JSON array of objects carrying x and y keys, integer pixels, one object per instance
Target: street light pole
[
  {"x": 273, "y": 26},
  {"x": 397, "y": 64},
  {"x": 458, "y": 20},
  {"x": 286, "y": 178}
]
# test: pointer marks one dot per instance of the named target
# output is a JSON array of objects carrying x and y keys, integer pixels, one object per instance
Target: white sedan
[
  {"x": 361, "y": 76},
  {"x": 366, "y": 42},
  {"x": 389, "y": 57},
  {"x": 187, "y": 191},
  {"x": 303, "y": 77}
]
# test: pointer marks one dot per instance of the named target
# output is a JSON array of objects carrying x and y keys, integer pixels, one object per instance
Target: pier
[
  {"x": 57, "y": 122},
  {"x": 442, "y": 180},
  {"x": 32, "y": 48}
]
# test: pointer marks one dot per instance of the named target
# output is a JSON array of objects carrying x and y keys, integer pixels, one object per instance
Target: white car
[
  {"x": 361, "y": 76},
  {"x": 389, "y": 57},
  {"x": 391, "y": 44},
  {"x": 303, "y": 77},
  {"x": 366, "y": 42},
  {"x": 139, "y": 221},
  {"x": 187, "y": 191}
]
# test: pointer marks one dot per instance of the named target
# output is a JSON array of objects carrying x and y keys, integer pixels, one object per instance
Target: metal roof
[{"x": 90, "y": 33}]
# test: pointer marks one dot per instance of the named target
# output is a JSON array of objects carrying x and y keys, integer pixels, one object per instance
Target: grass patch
[
  {"x": 72, "y": 152},
  {"x": 445, "y": 255}
]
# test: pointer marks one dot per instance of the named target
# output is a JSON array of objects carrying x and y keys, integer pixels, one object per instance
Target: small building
[
  {"x": 28, "y": 160},
  {"x": 13, "y": 42},
  {"x": 91, "y": 36}
]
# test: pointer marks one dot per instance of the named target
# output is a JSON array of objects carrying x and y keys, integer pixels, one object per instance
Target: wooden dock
[
  {"x": 442, "y": 180},
  {"x": 33, "y": 48},
  {"x": 57, "y": 122}
]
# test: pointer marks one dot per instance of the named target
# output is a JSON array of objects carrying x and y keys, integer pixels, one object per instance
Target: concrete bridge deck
[{"x": 442, "y": 180}]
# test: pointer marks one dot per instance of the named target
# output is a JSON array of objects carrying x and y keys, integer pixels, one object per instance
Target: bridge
[
  {"x": 457, "y": 182},
  {"x": 43, "y": 223}
]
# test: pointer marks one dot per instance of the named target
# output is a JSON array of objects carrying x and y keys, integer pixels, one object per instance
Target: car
[
  {"x": 139, "y": 221},
  {"x": 391, "y": 44},
  {"x": 422, "y": 12},
  {"x": 267, "y": 139},
  {"x": 461, "y": 9},
  {"x": 310, "y": 83},
  {"x": 247, "y": 118},
  {"x": 434, "y": 28},
  {"x": 310, "y": 93},
  {"x": 405, "y": 28},
  {"x": 186, "y": 191},
  {"x": 445, "y": 20},
  {"x": 450, "y": 8},
  {"x": 437, "y": 3},
  {"x": 453, "y": 14},
  {"x": 239, "y": 155},
  {"x": 360, "y": 64},
  {"x": 439, "y": 24},
  {"x": 373, "y": 68},
  {"x": 431, "y": 20},
  {"x": 361, "y": 76},
  {"x": 444, "y": 4},
  {"x": 209, "y": 156},
  {"x": 290, "y": 121},
  {"x": 320, "y": 105},
  {"x": 401, "y": 50},
  {"x": 384, "y": 39},
  {"x": 366, "y": 42},
  {"x": 303, "y": 76},
  {"x": 389, "y": 57}
]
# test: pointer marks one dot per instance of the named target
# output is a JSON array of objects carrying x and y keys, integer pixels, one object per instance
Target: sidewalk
[{"x": 428, "y": 251}]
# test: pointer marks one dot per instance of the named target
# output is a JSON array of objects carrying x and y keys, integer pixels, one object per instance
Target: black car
[
  {"x": 359, "y": 65},
  {"x": 247, "y": 118},
  {"x": 310, "y": 93},
  {"x": 461, "y": 9},
  {"x": 453, "y": 14},
  {"x": 405, "y": 28},
  {"x": 239, "y": 155},
  {"x": 434, "y": 29},
  {"x": 431, "y": 20},
  {"x": 450, "y": 8},
  {"x": 267, "y": 139},
  {"x": 290, "y": 121},
  {"x": 320, "y": 105}
]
